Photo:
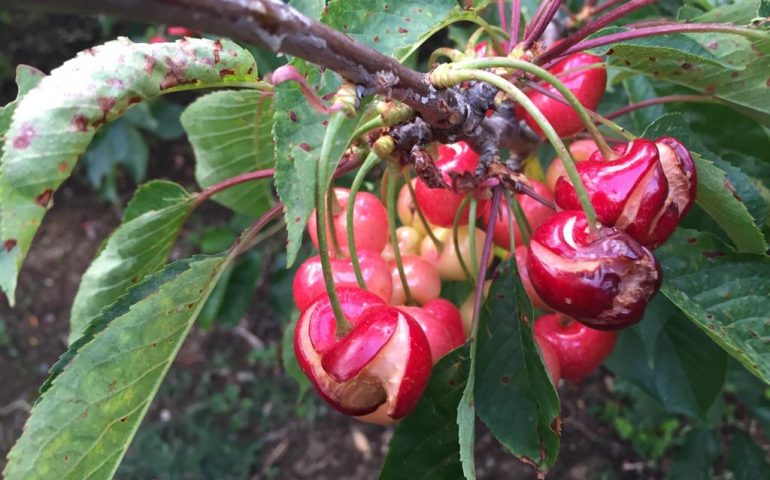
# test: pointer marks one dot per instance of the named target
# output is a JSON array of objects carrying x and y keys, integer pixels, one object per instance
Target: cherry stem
[
  {"x": 358, "y": 181},
  {"x": 333, "y": 131},
  {"x": 456, "y": 239},
  {"x": 592, "y": 27},
  {"x": 501, "y": 14},
  {"x": 485, "y": 252},
  {"x": 540, "y": 21},
  {"x": 376, "y": 122},
  {"x": 231, "y": 182},
  {"x": 525, "y": 229},
  {"x": 448, "y": 76},
  {"x": 250, "y": 240},
  {"x": 666, "y": 29},
  {"x": 657, "y": 101},
  {"x": 332, "y": 205},
  {"x": 425, "y": 225},
  {"x": 511, "y": 232},
  {"x": 606, "y": 6},
  {"x": 515, "y": 24},
  {"x": 392, "y": 193},
  {"x": 287, "y": 73},
  {"x": 449, "y": 53},
  {"x": 551, "y": 79},
  {"x": 474, "y": 204}
]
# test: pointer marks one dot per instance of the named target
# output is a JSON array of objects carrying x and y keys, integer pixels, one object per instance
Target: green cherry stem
[
  {"x": 548, "y": 77},
  {"x": 336, "y": 121},
  {"x": 511, "y": 233},
  {"x": 366, "y": 167},
  {"x": 447, "y": 76},
  {"x": 455, "y": 239},
  {"x": 332, "y": 204},
  {"x": 428, "y": 230},
  {"x": 392, "y": 193},
  {"x": 525, "y": 229}
]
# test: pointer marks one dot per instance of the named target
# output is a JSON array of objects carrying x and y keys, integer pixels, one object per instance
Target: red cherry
[
  {"x": 579, "y": 349},
  {"x": 421, "y": 276},
  {"x": 157, "y": 39},
  {"x": 309, "y": 282},
  {"x": 376, "y": 371},
  {"x": 603, "y": 279},
  {"x": 521, "y": 254},
  {"x": 587, "y": 85},
  {"x": 442, "y": 326},
  {"x": 550, "y": 358},
  {"x": 440, "y": 205},
  {"x": 535, "y": 212},
  {"x": 581, "y": 150},
  {"x": 180, "y": 31},
  {"x": 370, "y": 222}
]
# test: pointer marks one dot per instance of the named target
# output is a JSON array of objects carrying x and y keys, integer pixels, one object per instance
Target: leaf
[
  {"x": 101, "y": 388},
  {"x": 639, "y": 88},
  {"x": 746, "y": 459},
  {"x": 424, "y": 445},
  {"x": 740, "y": 12},
  {"x": 55, "y": 122},
  {"x": 671, "y": 360},
  {"x": 395, "y": 28},
  {"x": 698, "y": 453},
  {"x": 27, "y": 78},
  {"x": 310, "y": 8},
  {"x": 231, "y": 134},
  {"x": 514, "y": 395},
  {"x": 138, "y": 247},
  {"x": 714, "y": 191},
  {"x": 466, "y": 428},
  {"x": 723, "y": 292}
]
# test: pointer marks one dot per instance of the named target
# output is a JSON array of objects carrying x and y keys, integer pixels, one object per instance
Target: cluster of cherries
[{"x": 595, "y": 278}]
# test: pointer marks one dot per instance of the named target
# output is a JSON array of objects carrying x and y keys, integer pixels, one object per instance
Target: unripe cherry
[
  {"x": 440, "y": 205},
  {"x": 407, "y": 209},
  {"x": 309, "y": 282},
  {"x": 446, "y": 261},
  {"x": 603, "y": 279},
  {"x": 588, "y": 85},
  {"x": 466, "y": 309},
  {"x": 535, "y": 212},
  {"x": 377, "y": 370},
  {"x": 370, "y": 222},
  {"x": 421, "y": 276},
  {"x": 581, "y": 150},
  {"x": 579, "y": 349},
  {"x": 409, "y": 241}
]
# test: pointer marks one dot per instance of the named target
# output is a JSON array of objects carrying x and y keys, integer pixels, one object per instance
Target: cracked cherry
[
  {"x": 588, "y": 85},
  {"x": 440, "y": 205},
  {"x": 579, "y": 349},
  {"x": 604, "y": 279},
  {"x": 521, "y": 253},
  {"x": 377, "y": 370},
  {"x": 535, "y": 212},
  {"x": 309, "y": 282},
  {"x": 370, "y": 222}
]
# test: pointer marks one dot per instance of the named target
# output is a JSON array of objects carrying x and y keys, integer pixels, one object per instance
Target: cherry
[
  {"x": 521, "y": 254},
  {"x": 377, "y": 370},
  {"x": 407, "y": 209},
  {"x": 550, "y": 358},
  {"x": 581, "y": 150},
  {"x": 309, "y": 282},
  {"x": 442, "y": 327},
  {"x": 157, "y": 39},
  {"x": 180, "y": 31},
  {"x": 579, "y": 349},
  {"x": 370, "y": 222},
  {"x": 466, "y": 309},
  {"x": 449, "y": 315},
  {"x": 421, "y": 276},
  {"x": 587, "y": 85},
  {"x": 535, "y": 212},
  {"x": 446, "y": 261},
  {"x": 603, "y": 279},
  {"x": 408, "y": 243},
  {"x": 440, "y": 205}
]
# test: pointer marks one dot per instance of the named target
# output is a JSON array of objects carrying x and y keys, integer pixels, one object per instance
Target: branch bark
[{"x": 275, "y": 26}]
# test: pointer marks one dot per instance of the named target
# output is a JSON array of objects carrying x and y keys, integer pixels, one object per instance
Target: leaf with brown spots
[{"x": 53, "y": 124}]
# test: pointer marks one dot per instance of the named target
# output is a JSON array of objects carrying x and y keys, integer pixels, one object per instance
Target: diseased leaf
[
  {"x": 231, "y": 134},
  {"x": 55, "y": 122},
  {"x": 716, "y": 195},
  {"x": 138, "y": 247},
  {"x": 424, "y": 445},
  {"x": 27, "y": 78},
  {"x": 723, "y": 292},
  {"x": 514, "y": 395},
  {"x": 101, "y": 388}
]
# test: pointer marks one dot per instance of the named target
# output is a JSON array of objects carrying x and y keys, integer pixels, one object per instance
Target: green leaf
[
  {"x": 138, "y": 247},
  {"x": 696, "y": 457},
  {"x": 395, "y": 28},
  {"x": 740, "y": 12},
  {"x": 715, "y": 194},
  {"x": 639, "y": 88},
  {"x": 514, "y": 395},
  {"x": 101, "y": 388},
  {"x": 466, "y": 427},
  {"x": 55, "y": 122},
  {"x": 311, "y": 8},
  {"x": 746, "y": 459},
  {"x": 231, "y": 134},
  {"x": 723, "y": 292},
  {"x": 424, "y": 445},
  {"x": 671, "y": 360}
]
